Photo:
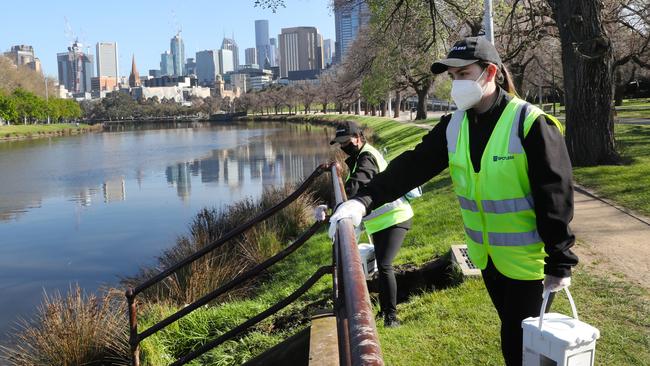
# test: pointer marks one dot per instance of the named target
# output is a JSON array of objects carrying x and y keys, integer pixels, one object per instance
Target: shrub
[{"x": 79, "y": 329}]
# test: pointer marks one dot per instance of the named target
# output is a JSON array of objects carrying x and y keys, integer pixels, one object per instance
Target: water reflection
[{"x": 90, "y": 208}]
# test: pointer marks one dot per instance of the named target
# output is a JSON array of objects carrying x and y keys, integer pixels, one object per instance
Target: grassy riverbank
[{"x": 17, "y": 132}]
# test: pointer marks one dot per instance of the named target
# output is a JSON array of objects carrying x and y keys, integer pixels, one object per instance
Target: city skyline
[{"x": 149, "y": 41}]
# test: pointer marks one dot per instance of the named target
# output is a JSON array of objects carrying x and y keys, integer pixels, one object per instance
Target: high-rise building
[
  {"x": 273, "y": 52},
  {"x": 177, "y": 47},
  {"x": 107, "y": 64},
  {"x": 250, "y": 56},
  {"x": 230, "y": 44},
  {"x": 190, "y": 66},
  {"x": 76, "y": 69},
  {"x": 262, "y": 41},
  {"x": 207, "y": 67},
  {"x": 327, "y": 52},
  {"x": 348, "y": 20},
  {"x": 166, "y": 64},
  {"x": 134, "y": 77},
  {"x": 301, "y": 49},
  {"x": 225, "y": 61},
  {"x": 23, "y": 55}
]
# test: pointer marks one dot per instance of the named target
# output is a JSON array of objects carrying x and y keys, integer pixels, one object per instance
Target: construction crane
[{"x": 75, "y": 56}]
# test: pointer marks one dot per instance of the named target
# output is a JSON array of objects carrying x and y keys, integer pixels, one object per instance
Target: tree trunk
[
  {"x": 374, "y": 110},
  {"x": 324, "y": 107},
  {"x": 422, "y": 103},
  {"x": 398, "y": 103},
  {"x": 383, "y": 109},
  {"x": 586, "y": 63}
]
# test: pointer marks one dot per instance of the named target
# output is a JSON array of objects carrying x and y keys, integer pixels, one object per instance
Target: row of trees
[
  {"x": 580, "y": 52},
  {"x": 117, "y": 106},
  {"x": 25, "y": 107},
  {"x": 23, "y": 97}
]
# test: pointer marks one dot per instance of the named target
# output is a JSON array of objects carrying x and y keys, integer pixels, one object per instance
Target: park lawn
[
  {"x": 36, "y": 129},
  {"x": 626, "y": 184},
  {"x": 457, "y": 325}
]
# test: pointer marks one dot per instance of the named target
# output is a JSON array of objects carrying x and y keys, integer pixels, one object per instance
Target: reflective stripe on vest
[
  {"x": 389, "y": 214},
  {"x": 498, "y": 206},
  {"x": 496, "y": 203}
]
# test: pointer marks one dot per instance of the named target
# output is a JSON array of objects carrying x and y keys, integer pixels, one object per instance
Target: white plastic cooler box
[
  {"x": 367, "y": 254},
  {"x": 554, "y": 339}
]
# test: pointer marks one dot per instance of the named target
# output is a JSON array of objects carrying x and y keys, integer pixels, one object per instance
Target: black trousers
[
  {"x": 387, "y": 243},
  {"x": 514, "y": 300}
]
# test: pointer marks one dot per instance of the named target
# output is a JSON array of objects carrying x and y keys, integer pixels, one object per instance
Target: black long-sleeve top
[
  {"x": 549, "y": 172},
  {"x": 366, "y": 169}
]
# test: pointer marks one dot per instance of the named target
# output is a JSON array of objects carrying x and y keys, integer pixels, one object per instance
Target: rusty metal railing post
[
  {"x": 364, "y": 348},
  {"x": 133, "y": 328}
]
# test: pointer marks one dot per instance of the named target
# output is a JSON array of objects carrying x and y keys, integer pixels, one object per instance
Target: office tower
[
  {"x": 177, "y": 47},
  {"x": 107, "y": 64},
  {"x": 134, "y": 77},
  {"x": 225, "y": 61},
  {"x": 348, "y": 20},
  {"x": 262, "y": 42},
  {"x": 230, "y": 44},
  {"x": 190, "y": 66},
  {"x": 23, "y": 55},
  {"x": 273, "y": 52},
  {"x": 327, "y": 52},
  {"x": 166, "y": 64},
  {"x": 301, "y": 49},
  {"x": 251, "y": 56},
  {"x": 154, "y": 73},
  {"x": 207, "y": 67},
  {"x": 76, "y": 69}
]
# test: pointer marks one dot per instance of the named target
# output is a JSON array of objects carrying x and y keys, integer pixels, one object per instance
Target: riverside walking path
[{"x": 611, "y": 240}]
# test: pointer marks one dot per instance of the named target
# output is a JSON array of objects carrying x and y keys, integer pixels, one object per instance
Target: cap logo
[
  {"x": 341, "y": 130},
  {"x": 459, "y": 48}
]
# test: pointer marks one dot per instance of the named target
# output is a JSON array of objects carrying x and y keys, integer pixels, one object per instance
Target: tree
[
  {"x": 8, "y": 110},
  {"x": 587, "y": 61},
  {"x": 29, "y": 106}
]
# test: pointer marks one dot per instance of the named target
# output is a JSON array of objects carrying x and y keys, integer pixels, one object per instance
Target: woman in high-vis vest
[
  {"x": 387, "y": 224},
  {"x": 512, "y": 176}
]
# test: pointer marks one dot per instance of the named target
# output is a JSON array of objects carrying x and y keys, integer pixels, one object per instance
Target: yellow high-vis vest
[
  {"x": 389, "y": 214},
  {"x": 496, "y": 203}
]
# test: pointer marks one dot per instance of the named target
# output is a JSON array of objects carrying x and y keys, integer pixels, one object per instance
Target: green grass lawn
[
  {"x": 453, "y": 326},
  {"x": 31, "y": 130},
  {"x": 626, "y": 184}
]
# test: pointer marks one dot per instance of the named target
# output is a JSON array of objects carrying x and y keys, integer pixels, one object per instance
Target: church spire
[{"x": 134, "y": 78}]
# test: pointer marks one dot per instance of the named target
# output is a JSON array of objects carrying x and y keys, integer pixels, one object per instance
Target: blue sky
[{"x": 144, "y": 27}]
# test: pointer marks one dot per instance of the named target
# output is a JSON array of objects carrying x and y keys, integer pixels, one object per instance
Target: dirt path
[{"x": 611, "y": 241}]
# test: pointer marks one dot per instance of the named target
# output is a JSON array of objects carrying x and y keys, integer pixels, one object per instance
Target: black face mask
[{"x": 350, "y": 149}]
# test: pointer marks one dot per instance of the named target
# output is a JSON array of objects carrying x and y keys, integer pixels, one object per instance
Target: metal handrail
[
  {"x": 361, "y": 332},
  {"x": 231, "y": 234},
  {"x": 256, "y": 319},
  {"x": 358, "y": 341},
  {"x": 232, "y": 283}
]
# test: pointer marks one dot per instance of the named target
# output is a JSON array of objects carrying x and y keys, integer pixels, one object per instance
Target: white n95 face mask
[{"x": 466, "y": 93}]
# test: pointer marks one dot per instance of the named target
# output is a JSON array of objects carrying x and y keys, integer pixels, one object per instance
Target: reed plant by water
[
  {"x": 77, "y": 329},
  {"x": 231, "y": 259}
]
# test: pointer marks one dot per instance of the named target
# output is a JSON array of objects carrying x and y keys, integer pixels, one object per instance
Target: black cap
[
  {"x": 466, "y": 52},
  {"x": 344, "y": 131}
]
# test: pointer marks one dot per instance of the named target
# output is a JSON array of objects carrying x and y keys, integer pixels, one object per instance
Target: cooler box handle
[{"x": 545, "y": 301}]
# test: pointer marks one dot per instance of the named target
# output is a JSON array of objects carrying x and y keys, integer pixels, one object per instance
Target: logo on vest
[{"x": 496, "y": 158}]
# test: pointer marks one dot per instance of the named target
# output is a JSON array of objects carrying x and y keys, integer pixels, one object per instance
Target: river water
[{"x": 87, "y": 209}]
